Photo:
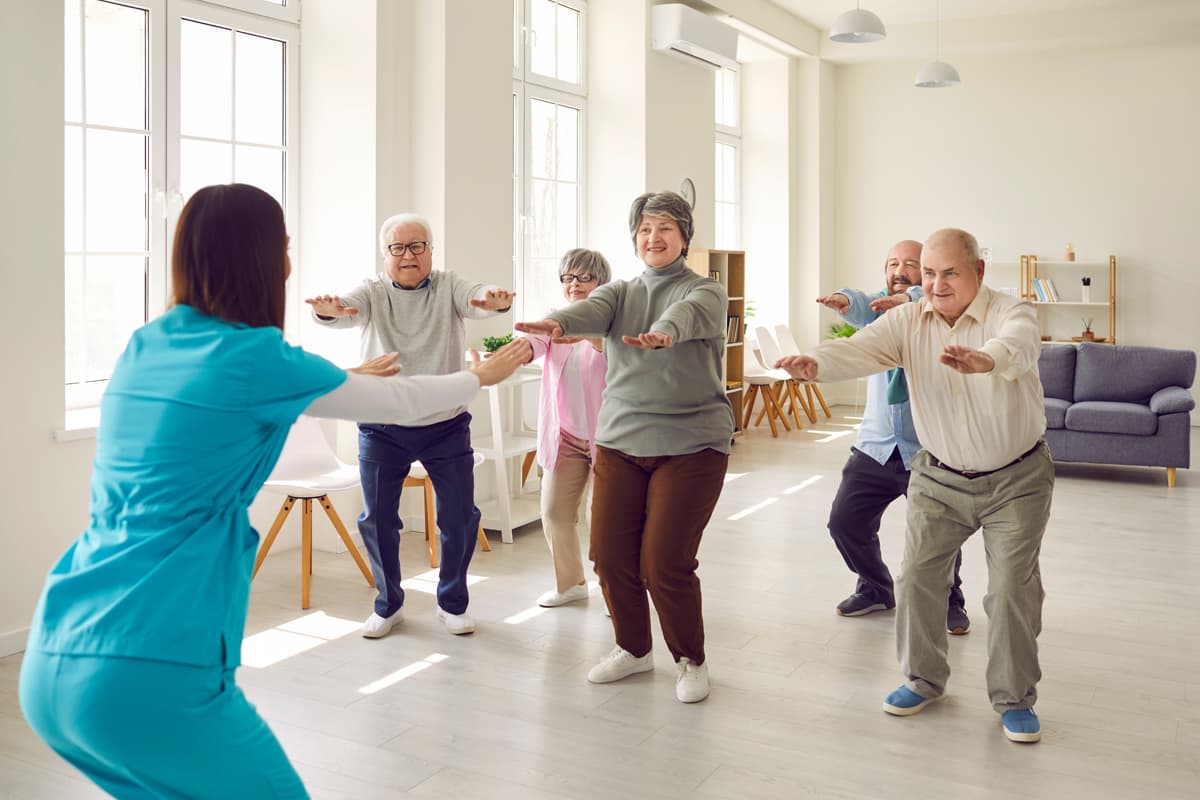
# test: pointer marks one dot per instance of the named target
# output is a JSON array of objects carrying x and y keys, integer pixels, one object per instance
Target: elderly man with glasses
[{"x": 418, "y": 313}]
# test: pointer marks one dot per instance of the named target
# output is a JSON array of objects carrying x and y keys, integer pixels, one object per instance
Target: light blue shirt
[
  {"x": 191, "y": 425},
  {"x": 884, "y": 427}
]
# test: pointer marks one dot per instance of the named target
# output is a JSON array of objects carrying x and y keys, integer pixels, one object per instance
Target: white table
[{"x": 509, "y": 440}]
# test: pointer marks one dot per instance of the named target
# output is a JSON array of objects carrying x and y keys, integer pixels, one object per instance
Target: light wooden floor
[{"x": 794, "y": 710}]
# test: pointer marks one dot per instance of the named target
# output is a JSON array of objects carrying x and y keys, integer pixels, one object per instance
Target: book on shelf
[
  {"x": 715, "y": 274},
  {"x": 733, "y": 328},
  {"x": 1052, "y": 290},
  {"x": 1039, "y": 287}
]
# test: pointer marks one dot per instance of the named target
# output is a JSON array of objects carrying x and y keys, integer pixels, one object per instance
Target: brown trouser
[{"x": 648, "y": 514}]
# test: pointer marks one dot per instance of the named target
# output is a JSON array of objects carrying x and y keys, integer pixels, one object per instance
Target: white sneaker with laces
[
  {"x": 553, "y": 599},
  {"x": 376, "y": 627},
  {"x": 458, "y": 624},
  {"x": 618, "y": 664},
  {"x": 692, "y": 684}
]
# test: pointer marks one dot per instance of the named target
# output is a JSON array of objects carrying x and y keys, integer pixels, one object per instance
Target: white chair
[
  {"x": 308, "y": 470},
  {"x": 788, "y": 346},
  {"x": 764, "y": 383},
  {"x": 788, "y": 386},
  {"x": 418, "y": 477}
]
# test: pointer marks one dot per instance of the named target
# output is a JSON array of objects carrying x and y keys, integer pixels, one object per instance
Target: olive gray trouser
[{"x": 1012, "y": 506}]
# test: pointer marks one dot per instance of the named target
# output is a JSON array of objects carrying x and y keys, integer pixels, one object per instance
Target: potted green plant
[
  {"x": 841, "y": 330},
  {"x": 493, "y": 343}
]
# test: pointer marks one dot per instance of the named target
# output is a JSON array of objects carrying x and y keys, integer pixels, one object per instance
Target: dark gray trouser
[
  {"x": 866, "y": 490},
  {"x": 944, "y": 509}
]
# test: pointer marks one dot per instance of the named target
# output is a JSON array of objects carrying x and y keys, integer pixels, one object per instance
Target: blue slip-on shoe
[
  {"x": 904, "y": 702},
  {"x": 1021, "y": 725}
]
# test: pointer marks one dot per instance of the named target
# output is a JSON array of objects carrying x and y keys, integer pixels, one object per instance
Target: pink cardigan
[{"x": 592, "y": 368}]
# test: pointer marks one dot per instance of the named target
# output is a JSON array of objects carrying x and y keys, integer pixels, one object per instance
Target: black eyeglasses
[
  {"x": 587, "y": 277},
  {"x": 398, "y": 249}
]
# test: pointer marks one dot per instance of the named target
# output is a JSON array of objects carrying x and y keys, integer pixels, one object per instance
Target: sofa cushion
[
  {"x": 1056, "y": 367},
  {"x": 1172, "y": 400},
  {"x": 1099, "y": 416},
  {"x": 1056, "y": 412},
  {"x": 1129, "y": 374}
]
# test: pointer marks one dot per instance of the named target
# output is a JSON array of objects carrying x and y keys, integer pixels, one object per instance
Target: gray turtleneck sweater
[{"x": 665, "y": 402}]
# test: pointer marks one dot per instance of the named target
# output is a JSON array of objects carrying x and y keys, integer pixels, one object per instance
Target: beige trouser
[
  {"x": 944, "y": 509},
  {"x": 563, "y": 488}
]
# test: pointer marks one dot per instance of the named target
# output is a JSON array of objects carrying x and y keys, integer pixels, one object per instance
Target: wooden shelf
[
  {"x": 1057, "y": 327},
  {"x": 729, "y": 268}
]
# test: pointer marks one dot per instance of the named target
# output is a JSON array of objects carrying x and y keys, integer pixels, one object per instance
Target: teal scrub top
[{"x": 194, "y": 419}]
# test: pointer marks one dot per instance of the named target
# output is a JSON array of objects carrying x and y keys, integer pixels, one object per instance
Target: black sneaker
[
  {"x": 857, "y": 605},
  {"x": 957, "y": 622}
]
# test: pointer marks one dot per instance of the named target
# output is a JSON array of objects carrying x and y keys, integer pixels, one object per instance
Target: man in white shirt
[{"x": 970, "y": 358}]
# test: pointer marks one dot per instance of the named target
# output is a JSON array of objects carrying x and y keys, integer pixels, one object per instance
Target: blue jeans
[
  {"x": 152, "y": 729},
  {"x": 385, "y": 455}
]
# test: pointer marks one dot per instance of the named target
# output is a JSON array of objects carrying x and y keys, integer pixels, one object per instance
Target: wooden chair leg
[
  {"x": 777, "y": 392},
  {"x": 770, "y": 410},
  {"x": 792, "y": 392},
  {"x": 526, "y": 465},
  {"x": 431, "y": 533},
  {"x": 751, "y": 396},
  {"x": 821, "y": 399},
  {"x": 306, "y": 552},
  {"x": 284, "y": 510},
  {"x": 346, "y": 540},
  {"x": 1170, "y": 477},
  {"x": 483, "y": 542}
]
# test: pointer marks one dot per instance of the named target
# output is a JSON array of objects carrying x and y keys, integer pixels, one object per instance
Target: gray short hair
[
  {"x": 968, "y": 243},
  {"x": 588, "y": 261},
  {"x": 395, "y": 221},
  {"x": 662, "y": 204}
]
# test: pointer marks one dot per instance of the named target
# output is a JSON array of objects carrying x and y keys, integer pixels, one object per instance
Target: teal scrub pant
[{"x": 153, "y": 729}]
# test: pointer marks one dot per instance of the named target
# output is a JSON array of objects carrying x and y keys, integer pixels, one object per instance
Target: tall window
[
  {"x": 549, "y": 104},
  {"x": 162, "y": 97},
  {"x": 728, "y": 164}
]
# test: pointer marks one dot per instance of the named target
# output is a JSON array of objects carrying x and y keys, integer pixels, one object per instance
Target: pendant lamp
[
  {"x": 857, "y": 27},
  {"x": 937, "y": 74}
]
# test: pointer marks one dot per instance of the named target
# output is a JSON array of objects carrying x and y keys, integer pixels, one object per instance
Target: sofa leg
[{"x": 1170, "y": 477}]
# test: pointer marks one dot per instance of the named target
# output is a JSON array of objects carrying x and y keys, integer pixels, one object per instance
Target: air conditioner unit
[{"x": 684, "y": 32}]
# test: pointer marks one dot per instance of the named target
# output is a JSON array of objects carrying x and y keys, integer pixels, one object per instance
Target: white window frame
[
  {"x": 164, "y": 198},
  {"x": 527, "y": 87},
  {"x": 730, "y": 136}
]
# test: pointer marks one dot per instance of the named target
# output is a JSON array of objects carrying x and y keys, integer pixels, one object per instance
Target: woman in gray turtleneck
[{"x": 662, "y": 440}]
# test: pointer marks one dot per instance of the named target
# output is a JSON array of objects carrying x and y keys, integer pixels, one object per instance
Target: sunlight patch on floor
[
  {"x": 803, "y": 484},
  {"x": 294, "y": 637},
  {"x": 526, "y": 615},
  {"x": 733, "y": 476},
  {"x": 402, "y": 673},
  {"x": 427, "y": 582},
  {"x": 756, "y": 507},
  {"x": 830, "y": 436}
]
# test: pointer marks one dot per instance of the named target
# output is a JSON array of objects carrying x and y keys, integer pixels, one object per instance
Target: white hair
[{"x": 395, "y": 221}]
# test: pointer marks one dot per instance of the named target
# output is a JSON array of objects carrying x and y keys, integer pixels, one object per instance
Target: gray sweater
[
  {"x": 424, "y": 325},
  {"x": 669, "y": 401}
]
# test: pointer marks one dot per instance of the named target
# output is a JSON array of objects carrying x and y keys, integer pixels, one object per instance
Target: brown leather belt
[{"x": 973, "y": 475}]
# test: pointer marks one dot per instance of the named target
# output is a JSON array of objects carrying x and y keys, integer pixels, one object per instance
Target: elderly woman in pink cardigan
[{"x": 572, "y": 386}]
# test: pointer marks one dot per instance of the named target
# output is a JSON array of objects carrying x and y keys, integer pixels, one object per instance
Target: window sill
[{"x": 81, "y": 423}]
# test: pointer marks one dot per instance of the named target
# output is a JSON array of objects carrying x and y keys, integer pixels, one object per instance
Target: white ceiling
[
  {"x": 822, "y": 13},
  {"x": 988, "y": 27}
]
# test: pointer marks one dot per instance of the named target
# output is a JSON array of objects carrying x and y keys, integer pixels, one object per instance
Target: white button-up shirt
[{"x": 972, "y": 423}]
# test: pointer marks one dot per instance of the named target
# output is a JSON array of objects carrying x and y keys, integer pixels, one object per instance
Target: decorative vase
[
  {"x": 1088, "y": 336},
  {"x": 1086, "y": 297}
]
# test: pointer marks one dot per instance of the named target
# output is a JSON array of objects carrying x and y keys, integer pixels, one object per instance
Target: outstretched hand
[
  {"x": 648, "y": 341},
  {"x": 384, "y": 366},
  {"x": 495, "y": 300},
  {"x": 966, "y": 360},
  {"x": 330, "y": 305},
  {"x": 502, "y": 363},
  {"x": 837, "y": 301},
  {"x": 545, "y": 327},
  {"x": 802, "y": 368},
  {"x": 881, "y": 304}
]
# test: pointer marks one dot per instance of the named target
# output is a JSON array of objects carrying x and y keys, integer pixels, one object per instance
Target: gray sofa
[{"x": 1119, "y": 404}]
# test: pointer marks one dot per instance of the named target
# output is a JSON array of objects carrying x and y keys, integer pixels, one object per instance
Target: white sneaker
[
  {"x": 376, "y": 627},
  {"x": 618, "y": 664},
  {"x": 554, "y": 599},
  {"x": 692, "y": 684},
  {"x": 458, "y": 624}
]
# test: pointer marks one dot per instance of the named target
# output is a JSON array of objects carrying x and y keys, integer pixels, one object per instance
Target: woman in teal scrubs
[{"x": 129, "y": 669}]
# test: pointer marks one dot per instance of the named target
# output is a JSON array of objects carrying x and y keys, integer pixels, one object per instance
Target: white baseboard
[{"x": 13, "y": 642}]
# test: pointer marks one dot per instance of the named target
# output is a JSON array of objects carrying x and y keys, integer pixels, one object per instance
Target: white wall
[
  {"x": 43, "y": 484},
  {"x": 1095, "y": 147}
]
